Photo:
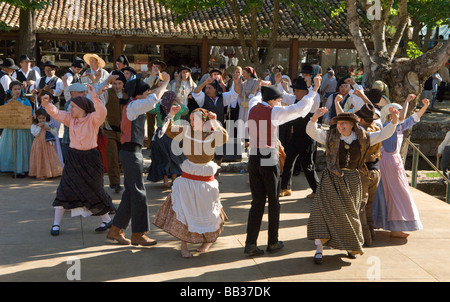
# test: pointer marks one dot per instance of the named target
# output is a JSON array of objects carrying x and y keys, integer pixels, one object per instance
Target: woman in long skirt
[
  {"x": 334, "y": 219},
  {"x": 394, "y": 208},
  {"x": 193, "y": 212},
  {"x": 16, "y": 160},
  {"x": 165, "y": 162},
  {"x": 81, "y": 189}
]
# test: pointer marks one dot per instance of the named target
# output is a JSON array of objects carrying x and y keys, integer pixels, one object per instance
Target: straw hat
[
  {"x": 88, "y": 56},
  {"x": 385, "y": 111}
]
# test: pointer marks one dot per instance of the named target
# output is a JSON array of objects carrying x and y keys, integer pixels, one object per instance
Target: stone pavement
[{"x": 29, "y": 253}]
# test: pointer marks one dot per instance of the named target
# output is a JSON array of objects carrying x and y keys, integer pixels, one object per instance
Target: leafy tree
[{"x": 27, "y": 27}]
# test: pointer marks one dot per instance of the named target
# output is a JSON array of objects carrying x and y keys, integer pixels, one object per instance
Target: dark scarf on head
[
  {"x": 84, "y": 103},
  {"x": 167, "y": 101}
]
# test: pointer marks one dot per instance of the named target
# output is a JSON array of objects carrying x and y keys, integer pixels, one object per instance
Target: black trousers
[
  {"x": 264, "y": 185},
  {"x": 306, "y": 154}
]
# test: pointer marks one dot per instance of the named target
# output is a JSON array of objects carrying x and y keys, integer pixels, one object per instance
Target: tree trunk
[{"x": 27, "y": 33}]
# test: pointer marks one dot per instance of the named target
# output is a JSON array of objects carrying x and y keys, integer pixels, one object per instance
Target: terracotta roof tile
[{"x": 149, "y": 18}]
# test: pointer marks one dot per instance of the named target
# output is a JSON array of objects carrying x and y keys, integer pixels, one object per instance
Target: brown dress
[{"x": 44, "y": 161}]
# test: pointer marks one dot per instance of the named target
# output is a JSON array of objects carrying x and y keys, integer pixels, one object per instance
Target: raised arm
[{"x": 313, "y": 131}]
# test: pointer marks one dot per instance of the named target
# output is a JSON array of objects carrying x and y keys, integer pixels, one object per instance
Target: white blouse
[{"x": 320, "y": 135}]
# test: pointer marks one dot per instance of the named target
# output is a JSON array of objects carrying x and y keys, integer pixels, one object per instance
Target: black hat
[
  {"x": 123, "y": 59},
  {"x": 136, "y": 87},
  {"x": 215, "y": 84},
  {"x": 184, "y": 67},
  {"x": 299, "y": 84},
  {"x": 50, "y": 64},
  {"x": 9, "y": 63},
  {"x": 160, "y": 63},
  {"x": 24, "y": 58},
  {"x": 215, "y": 70},
  {"x": 374, "y": 95},
  {"x": 121, "y": 76},
  {"x": 78, "y": 62},
  {"x": 344, "y": 116},
  {"x": 130, "y": 69},
  {"x": 367, "y": 112},
  {"x": 307, "y": 68},
  {"x": 271, "y": 93}
]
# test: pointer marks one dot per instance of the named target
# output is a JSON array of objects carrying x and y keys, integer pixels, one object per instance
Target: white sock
[
  {"x": 59, "y": 213},
  {"x": 105, "y": 218},
  {"x": 319, "y": 248}
]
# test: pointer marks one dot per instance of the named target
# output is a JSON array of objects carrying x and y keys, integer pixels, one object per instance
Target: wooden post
[
  {"x": 293, "y": 59},
  {"x": 205, "y": 55},
  {"x": 118, "y": 46},
  {"x": 15, "y": 154}
]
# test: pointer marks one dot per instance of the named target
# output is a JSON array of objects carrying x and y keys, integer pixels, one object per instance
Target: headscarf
[
  {"x": 167, "y": 101},
  {"x": 84, "y": 103},
  {"x": 251, "y": 71},
  {"x": 203, "y": 112}
]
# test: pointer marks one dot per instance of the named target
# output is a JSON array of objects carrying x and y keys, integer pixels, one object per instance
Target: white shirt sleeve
[
  {"x": 445, "y": 143},
  {"x": 59, "y": 88},
  {"x": 35, "y": 130},
  {"x": 284, "y": 114},
  {"x": 385, "y": 133},
  {"x": 229, "y": 97},
  {"x": 138, "y": 107},
  {"x": 199, "y": 98},
  {"x": 317, "y": 134}
]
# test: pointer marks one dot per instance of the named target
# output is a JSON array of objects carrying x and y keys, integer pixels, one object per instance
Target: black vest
[
  {"x": 21, "y": 77},
  {"x": 76, "y": 77},
  {"x": 51, "y": 84},
  {"x": 217, "y": 108},
  {"x": 342, "y": 103}
]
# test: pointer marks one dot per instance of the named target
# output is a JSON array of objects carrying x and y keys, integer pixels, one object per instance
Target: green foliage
[
  {"x": 413, "y": 51},
  {"x": 28, "y": 4},
  {"x": 24, "y": 4}
]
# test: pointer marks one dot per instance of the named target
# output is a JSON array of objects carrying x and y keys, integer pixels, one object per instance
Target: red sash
[{"x": 197, "y": 177}]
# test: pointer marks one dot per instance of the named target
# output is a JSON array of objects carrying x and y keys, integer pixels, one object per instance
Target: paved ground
[{"x": 29, "y": 253}]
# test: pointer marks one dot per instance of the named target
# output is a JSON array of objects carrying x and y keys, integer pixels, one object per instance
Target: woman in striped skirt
[{"x": 334, "y": 219}]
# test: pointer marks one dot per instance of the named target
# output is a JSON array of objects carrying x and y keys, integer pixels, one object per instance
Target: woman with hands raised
[
  {"x": 81, "y": 188},
  {"x": 334, "y": 219},
  {"x": 394, "y": 208}
]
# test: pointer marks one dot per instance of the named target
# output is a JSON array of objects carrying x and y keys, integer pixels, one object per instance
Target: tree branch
[
  {"x": 431, "y": 61},
  {"x": 237, "y": 15},
  {"x": 353, "y": 24},
  {"x": 402, "y": 23}
]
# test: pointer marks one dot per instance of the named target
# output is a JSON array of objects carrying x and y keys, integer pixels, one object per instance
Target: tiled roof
[{"x": 150, "y": 18}]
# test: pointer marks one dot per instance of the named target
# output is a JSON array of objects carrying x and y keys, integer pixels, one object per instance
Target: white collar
[{"x": 349, "y": 139}]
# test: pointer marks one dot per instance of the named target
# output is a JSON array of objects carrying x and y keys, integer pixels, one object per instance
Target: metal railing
[{"x": 415, "y": 165}]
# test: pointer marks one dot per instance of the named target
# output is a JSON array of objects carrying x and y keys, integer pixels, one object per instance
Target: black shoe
[
  {"x": 253, "y": 250},
  {"x": 318, "y": 260},
  {"x": 106, "y": 225},
  {"x": 276, "y": 246},
  {"x": 54, "y": 232},
  {"x": 118, "y": 188}
]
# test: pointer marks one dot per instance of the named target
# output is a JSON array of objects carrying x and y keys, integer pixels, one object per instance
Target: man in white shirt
[
  {"x": 50, "y": 82},
  {"x": 265, "y": 115},
  {"x": 7, "y": 69},
  {"x": 26, "y": 74}
]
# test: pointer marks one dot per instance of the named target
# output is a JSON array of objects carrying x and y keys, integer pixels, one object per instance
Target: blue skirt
[
  {"x": 24, "y": 141},
  {"x": 164, "y": 159}
]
